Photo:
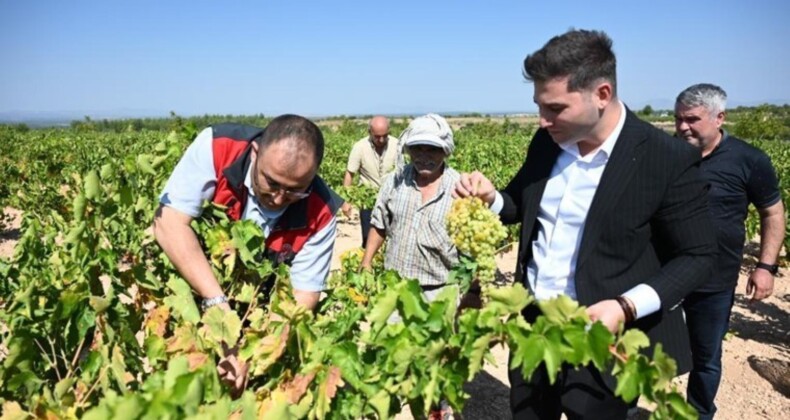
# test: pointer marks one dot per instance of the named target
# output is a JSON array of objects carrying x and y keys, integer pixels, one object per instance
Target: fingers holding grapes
[{"x": 475, "y": 184}]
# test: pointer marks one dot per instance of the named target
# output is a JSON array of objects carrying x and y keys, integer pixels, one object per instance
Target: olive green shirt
[{"x": 370, "y": 165}]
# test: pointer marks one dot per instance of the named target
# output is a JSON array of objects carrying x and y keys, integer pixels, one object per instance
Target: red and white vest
[{"x": 301, "y": 220}]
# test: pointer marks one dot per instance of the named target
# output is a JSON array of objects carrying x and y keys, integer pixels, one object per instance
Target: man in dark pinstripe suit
[{"x": 614, "y": 214}]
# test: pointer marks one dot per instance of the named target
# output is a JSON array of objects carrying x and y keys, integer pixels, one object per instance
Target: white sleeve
[
  {"x": 310, "y": 267},
  {"x": 499, "y": 202},
  {"x": 193, "y": 180},
  {"x": 645, "y": 299}
]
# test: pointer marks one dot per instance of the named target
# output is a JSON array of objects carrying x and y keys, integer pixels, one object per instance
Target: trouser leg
[
  {"x": 364, "y": 222},
  {"x": 708, "y": 319}
]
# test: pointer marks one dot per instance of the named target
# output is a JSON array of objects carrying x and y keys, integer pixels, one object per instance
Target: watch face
[{"x": 772, "y": 268}]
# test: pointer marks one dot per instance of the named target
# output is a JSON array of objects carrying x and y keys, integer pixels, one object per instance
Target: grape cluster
[{"x": 477, "y": 233}]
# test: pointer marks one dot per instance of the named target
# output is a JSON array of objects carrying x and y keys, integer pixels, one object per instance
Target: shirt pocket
[{"x": 434, "y": 240}]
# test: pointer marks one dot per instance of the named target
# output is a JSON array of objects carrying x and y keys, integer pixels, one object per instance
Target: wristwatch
[
  {"x": 771, "y": 268},
  {"x": 216, "y": 300}
]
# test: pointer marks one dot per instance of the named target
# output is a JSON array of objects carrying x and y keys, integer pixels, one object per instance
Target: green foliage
[
  {"x": 95, "y": 321},
  {"x": 779, "y": 152},
  {"x": 360, "y": 196},
  {"x": 760, "y": 123}
]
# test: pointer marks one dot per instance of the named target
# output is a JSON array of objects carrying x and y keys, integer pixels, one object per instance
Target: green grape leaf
[
  {"x": 92, "y": 185},
  {"x": 562, "y": 309},
  {"x": 248, "y": 239},
  {"x": 479, "y": 349},
  {"x": 631, "y": 377},
  {"x": 680, "y": 408},
  {"x": 383, "y": 308},
  {"x": 181, "y": 301},
  {"x": 107, "y": 171},
  {"x": 381, "y": 403},
  {"x": 80, "y": 202},
  {"x": 666, "y": 367},
  {"x": 99, "y": 304},
  {"x": 176, "y": 367},
  {"x": 599, "y": 339},
  {"x": 327, "y": 391},
  {"x": 220, "y": 326},
  {"x": 414, "y": 305},
  {"x": 144, "y": 163},
  {"x": 155, "y": 348},
  {"x": 633, "y": 340},
  {"x": 247, "y": 293},
  {"x": 507, "y": 300},
  {"x": 63, "y": 387}
]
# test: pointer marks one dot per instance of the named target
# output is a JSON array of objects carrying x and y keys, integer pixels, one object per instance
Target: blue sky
[{"x": 341, "y": 57}]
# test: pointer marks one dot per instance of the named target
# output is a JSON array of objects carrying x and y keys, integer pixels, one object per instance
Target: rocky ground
[{"x": 756, "y": 381}]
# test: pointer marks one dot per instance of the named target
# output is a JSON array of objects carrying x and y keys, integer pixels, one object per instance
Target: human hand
[
  {"x": 365, "y": 266},
  {"x": 477, "y": 185},
  {"x": 609, "y": 312},
  {"x": 760, "y": 285},
  {"x": 232, "y": 371},
  {"x": 346, "y": 208}
]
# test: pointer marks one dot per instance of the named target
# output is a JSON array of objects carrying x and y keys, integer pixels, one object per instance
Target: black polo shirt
[{"x": 739, "y": 174}]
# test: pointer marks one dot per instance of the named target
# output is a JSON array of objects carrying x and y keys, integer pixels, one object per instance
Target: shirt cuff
[
  {"x": 181, "y": 207},
  {"x": 645, "y": 300},
  {"x": 498, "y": 203},
  {"x": 315, "y": 285}
]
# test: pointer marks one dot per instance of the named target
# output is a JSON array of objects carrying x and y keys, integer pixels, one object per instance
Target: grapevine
[
  {"x": 360, "y": 196},
  {"x": 95, "y": 322}
]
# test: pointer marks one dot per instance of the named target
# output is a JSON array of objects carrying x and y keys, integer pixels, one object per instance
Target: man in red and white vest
[{"x": 266, "y": 175}]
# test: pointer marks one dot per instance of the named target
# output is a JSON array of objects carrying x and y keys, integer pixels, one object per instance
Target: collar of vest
[{"x": 236, "y": 173}]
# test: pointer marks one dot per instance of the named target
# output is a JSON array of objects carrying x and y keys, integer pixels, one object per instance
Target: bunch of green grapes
[{"x": 476, "y": 232}]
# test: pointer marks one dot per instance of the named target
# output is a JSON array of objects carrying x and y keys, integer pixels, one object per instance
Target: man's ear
[
  {"x": 603, "y": 94},
  {"x": 720, "y": 119}
]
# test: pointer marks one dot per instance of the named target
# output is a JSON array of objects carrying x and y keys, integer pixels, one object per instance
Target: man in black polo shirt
[{"x": 738, "y": 174}]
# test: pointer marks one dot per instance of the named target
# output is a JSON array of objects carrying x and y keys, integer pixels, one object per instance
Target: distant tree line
[{"x": 763, "y": 122}]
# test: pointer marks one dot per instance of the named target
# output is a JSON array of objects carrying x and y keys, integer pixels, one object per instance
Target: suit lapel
[{"x": 619, "y": 169}]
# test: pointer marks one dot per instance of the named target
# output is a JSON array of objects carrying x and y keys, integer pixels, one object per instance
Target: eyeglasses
[
  {"x": 288, "y": 194},
  {"x": 271, "y": 188}
]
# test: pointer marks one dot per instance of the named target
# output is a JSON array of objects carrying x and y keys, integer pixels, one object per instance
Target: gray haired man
[{"x": 738, "y": 174}]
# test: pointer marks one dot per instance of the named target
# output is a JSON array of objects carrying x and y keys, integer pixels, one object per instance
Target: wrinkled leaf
[
  {"x": 220, "y": 326},
  {"x": 508, "y": 300},
  {"x": 182, "y": 302},
  {"x": 562, "y": 309}
]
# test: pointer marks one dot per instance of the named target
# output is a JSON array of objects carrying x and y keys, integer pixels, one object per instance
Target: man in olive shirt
[{"x": 372, "y": 157}]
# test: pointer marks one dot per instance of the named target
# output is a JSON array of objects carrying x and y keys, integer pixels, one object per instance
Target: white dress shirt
[{"x": 563, "y": 211}]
